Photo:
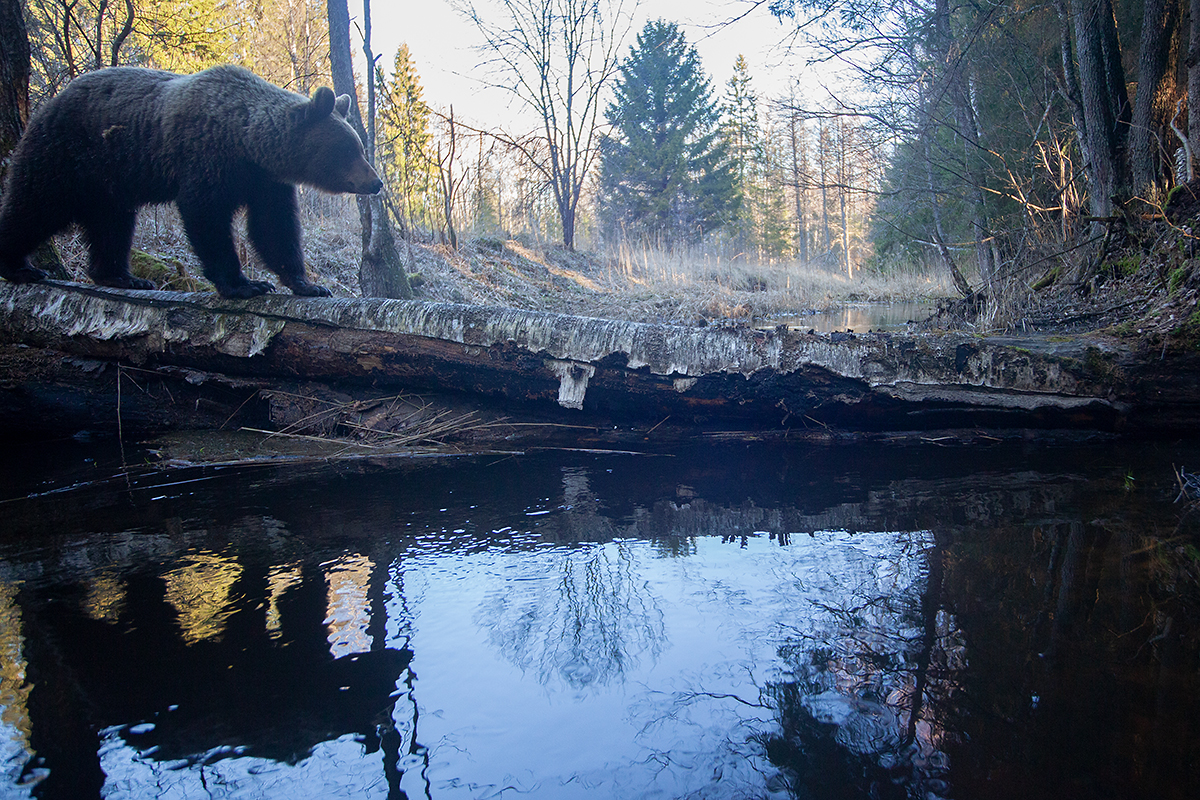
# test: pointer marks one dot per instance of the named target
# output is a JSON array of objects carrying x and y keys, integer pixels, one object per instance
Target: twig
[{"x": 664, "y": 419}]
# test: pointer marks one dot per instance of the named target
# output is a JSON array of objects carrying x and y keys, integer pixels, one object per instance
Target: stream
[
  {"x": 861, "y": 317},
  {"x": 762, "y": 621}
]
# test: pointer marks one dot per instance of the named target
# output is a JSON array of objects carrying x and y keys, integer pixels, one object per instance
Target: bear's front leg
[
  {"x": 273, "y": 222},
  {"x": 208, "y": 225},
  {"x": 110, "y": 236}
]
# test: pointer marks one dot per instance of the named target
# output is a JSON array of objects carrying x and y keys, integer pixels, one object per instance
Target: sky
[{"x": 444, "y": 47}]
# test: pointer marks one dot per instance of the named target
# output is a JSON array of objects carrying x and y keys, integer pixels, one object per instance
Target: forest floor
[{"x": 1142, "y": 285}]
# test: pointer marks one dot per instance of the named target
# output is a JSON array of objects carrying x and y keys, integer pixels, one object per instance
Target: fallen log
[{"x": 188, "y": 359}]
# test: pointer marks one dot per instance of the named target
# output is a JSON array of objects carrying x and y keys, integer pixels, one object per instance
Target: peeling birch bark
[{"x": 709, "y": 378}]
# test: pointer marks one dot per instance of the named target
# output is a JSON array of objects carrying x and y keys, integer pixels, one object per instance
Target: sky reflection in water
[{"x": 877, "y": 622}]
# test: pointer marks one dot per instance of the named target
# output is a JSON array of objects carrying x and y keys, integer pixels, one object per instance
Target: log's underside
[{"x": 85, "y": 356}]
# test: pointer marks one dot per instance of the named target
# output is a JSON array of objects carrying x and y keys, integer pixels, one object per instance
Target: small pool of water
[
  {"x": 787, "y": 622},
  {"x": 861, "y": 318}
]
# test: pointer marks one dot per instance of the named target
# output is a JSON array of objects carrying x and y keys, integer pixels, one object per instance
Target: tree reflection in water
[
  {"x": 578, "y": 614},
  {"x": 854, "y": 717}
]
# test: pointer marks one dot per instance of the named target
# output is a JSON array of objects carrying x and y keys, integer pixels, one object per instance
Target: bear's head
[{"x": 330, "y": 152}]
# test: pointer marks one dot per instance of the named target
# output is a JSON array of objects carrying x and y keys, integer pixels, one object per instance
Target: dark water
[{"x": 846, "y": 622}]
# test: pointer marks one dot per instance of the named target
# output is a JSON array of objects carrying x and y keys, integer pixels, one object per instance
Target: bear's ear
[
  {"x": 342, "y": 105},
  {"x": 320, "y": 106}
]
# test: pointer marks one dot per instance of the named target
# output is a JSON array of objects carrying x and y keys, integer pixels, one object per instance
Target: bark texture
[
  {"x": 1104, "y": 101},
  {"x": 14, "y": 78},
  {"x": 533, "y": 362}
]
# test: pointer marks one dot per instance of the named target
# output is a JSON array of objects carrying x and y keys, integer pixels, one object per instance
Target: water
[
  {"x": 861, "y": 318},
  {"x": 810, "y": 622}
]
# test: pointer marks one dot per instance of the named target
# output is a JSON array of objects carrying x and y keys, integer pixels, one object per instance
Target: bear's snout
[
  {"x": 363, "y": 179},
  {"x": 372, "y": 186}
]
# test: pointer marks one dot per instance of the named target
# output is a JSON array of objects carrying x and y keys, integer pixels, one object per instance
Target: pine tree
[{"x": 664, "y": 172}]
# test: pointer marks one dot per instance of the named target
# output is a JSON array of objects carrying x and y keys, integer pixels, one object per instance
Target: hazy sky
[{"x": 444, "y": 45}]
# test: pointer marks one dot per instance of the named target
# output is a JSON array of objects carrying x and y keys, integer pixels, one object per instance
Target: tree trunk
[
  {"x": 1104, "y": 100},
  {"x": 382, "y": 272},
  {"x": 1158, "y": 27},
  {"x": 14, "y": 78},
  {"x": 960, "y": 282},
  {"x": 601, "y": 370},
  {"x": 958, "y": 91},
  {"x": 381, "y": 268},
  {"x": 823, "y": 155},
  {"x": 1193, "y": 80},
  {"x": 14, "y": 110}
]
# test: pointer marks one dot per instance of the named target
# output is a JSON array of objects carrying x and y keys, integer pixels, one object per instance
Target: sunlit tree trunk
[
  {"x": 446, "y": 174},
  {"x": 844, "y": 181},
  {"x": 823, "y": 155},
  {"x": 381, "y": 272},
  {"x": 799, "y": 178}
]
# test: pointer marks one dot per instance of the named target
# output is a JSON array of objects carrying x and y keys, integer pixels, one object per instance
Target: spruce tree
[
  {"x": 664, "y": 174},
  {"x": 739, "y": 129},
  {"x": 405, "y": 139}
]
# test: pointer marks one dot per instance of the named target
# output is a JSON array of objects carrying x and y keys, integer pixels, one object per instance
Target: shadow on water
[{"x": 849, "y": 622}]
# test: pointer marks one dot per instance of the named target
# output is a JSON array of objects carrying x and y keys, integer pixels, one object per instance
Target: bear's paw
[
  {"x": 244, "y": 291},
  {"x": 24, "y": 273},
  {"x": 123, "y": 282},
  {"x": 309, "y": 290}
]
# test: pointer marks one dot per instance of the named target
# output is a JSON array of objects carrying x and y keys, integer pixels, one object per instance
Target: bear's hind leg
[
  {"x": 110, "y": 237},
  {"x": 273, "y": 222},
  {"x": 208, "y": 228}
]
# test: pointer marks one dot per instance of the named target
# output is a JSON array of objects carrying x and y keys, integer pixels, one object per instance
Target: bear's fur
[{"x": 117, "y": 139}]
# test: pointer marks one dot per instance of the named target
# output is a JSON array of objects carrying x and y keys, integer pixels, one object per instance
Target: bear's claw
[
  {"x": 244, "y": 291},
  {"x": 309, "y": 290},
  {"x": 124, "y": 282}
]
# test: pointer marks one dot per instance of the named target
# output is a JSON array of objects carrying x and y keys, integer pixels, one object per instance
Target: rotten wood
[{"x": 199, "y": 351}]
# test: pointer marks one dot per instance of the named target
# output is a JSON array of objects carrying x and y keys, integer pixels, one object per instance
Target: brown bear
[{"x": 117, "y": 139}]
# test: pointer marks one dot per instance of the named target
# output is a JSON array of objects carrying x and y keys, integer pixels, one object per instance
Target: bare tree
[
  {"x": 556, "y": 56},
  {"x": 446, "y": 176}
]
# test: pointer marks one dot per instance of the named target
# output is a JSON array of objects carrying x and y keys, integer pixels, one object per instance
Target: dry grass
[
  {"x": 654, "y": 287},
  {"x": 685, "y": 288}
]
